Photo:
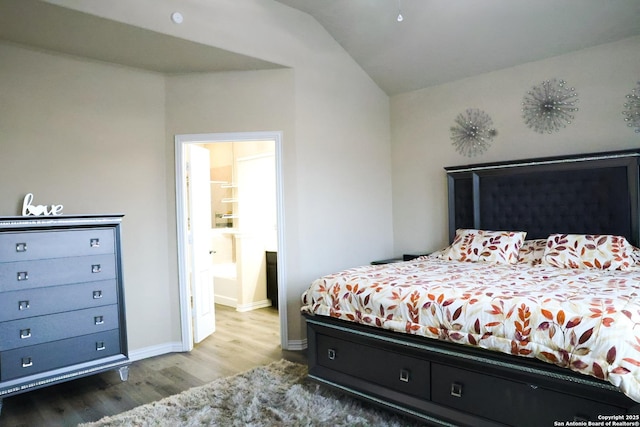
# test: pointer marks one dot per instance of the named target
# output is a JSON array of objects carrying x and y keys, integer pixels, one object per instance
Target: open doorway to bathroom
[
  {"x": 239, "y": 270},
  {"x": 243, "y": 223}
]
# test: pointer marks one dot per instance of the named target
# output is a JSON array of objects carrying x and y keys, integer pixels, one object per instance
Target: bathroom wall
[{"x": 239, "y": 243}]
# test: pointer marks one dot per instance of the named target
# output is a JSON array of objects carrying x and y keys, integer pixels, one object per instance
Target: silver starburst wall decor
[
  {"x": 549, "y": 106},
  {"x": 632, "y": 108},
  {"x": 473, "y": 132}
]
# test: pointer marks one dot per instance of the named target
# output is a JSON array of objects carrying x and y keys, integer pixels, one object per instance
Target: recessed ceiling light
[{"x": 177, "y": 18}]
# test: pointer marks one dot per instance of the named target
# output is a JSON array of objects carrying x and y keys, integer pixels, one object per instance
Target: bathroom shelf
[{"x": 229, "y": 200}]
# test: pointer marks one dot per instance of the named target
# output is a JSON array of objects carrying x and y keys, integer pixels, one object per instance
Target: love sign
[{"x": 30, "y": 210}]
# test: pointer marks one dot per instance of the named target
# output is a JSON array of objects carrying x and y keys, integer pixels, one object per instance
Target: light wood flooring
[{"x": 242, "y": 341}]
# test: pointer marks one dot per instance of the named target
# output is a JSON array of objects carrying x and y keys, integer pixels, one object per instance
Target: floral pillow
[
  {"x": 586, "y": 251},
  {"x": 532, "y": 251},
  {"x": 500, "y": 247}
]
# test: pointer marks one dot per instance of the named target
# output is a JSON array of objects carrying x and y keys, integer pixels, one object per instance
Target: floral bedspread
[{"x": 584, "y": 320}]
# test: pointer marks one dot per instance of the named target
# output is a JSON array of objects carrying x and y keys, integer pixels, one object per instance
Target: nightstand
[
  {"x": 386, "y": 261},
  {"x": 409, "y": 257},
  {"x": 404, "y": 257}
]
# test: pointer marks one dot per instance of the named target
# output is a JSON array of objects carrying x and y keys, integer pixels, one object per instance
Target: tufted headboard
[{"x": 587, "y": 194}]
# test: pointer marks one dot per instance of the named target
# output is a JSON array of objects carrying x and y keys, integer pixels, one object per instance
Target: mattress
[{"x": 587, "y": 320}]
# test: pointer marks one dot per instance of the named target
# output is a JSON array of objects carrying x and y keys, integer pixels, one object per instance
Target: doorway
[{"x": 226, "y": 222}]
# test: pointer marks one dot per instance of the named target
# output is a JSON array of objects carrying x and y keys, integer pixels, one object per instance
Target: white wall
[
  {"x": 336, "y": 146},
  {"x": 90, "y": 136},
  {"x": 602, "y": 76}
]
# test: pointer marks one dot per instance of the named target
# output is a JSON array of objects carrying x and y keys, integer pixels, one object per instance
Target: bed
[{"x": 531, "y": 315}]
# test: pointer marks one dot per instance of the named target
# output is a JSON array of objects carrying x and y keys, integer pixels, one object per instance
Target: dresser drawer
[
  {"x": 33, "y": 245},
  {"x": 53, "y": 327},
  {"x": 40, "y": 301},
  {"x": 43, "y": 357},
  {"x": 58, "y": 271},
  {"x": 399, "y": 372},
  {"x": 510, "y": 402}
]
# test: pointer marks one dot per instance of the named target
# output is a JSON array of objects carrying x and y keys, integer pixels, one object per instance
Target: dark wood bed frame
[{"x": 448, "y": 384}]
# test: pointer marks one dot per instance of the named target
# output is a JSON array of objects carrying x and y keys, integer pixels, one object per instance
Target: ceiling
[
  {"x": 54, "y": 28},
  {"x": 446, "y": 40},
  {"x": 437, "y": 42}
]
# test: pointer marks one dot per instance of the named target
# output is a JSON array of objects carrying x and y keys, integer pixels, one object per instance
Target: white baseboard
[
  {"x": 297, "y": 345},
  {"x": 254, "y": 305},
  {"x": 229, "y": 302},
  {"x": 176, "y": 347},
  {"x": 156, "y": 350}
]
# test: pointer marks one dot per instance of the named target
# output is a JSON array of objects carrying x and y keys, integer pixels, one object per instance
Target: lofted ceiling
[
  {"x": 446, "y": 40},
  {"x": 437, "y": 42}
]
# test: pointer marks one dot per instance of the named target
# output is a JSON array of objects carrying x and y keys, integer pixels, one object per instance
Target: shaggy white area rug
[{"x": 274, "y": 395}]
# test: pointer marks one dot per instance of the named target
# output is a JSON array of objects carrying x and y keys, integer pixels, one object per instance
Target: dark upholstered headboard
[{"x": 587, "y": 194}]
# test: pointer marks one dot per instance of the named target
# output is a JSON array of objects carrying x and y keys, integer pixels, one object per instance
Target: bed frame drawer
[
  {"x": 467, "y": 391},
  {"x": 396, "y": 371},
  {"x": 510, "y": 402},
  {"x": 552, "y": 406}
]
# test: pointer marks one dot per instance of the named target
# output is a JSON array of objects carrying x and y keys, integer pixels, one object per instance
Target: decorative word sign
[{"x": 29, "y": 210}]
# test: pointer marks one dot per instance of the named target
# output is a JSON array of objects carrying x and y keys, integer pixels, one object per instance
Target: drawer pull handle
[
  {"x": 98, "y": 320},
  {"x": 21, "y": 247},
  {"x": 23, "y": 275},
  {"x": 94, "y": 243},
  {"x": 97, "y": 294},
  {"x": 26, "y": 362},
  {"x": 100, "y": 346},
  {"x": 95, "y": 268},
  {"x": 25, "y": 333},
  {"x": 23, "y": 305},
  {"x": 456, "y": 390},
  {"x": 331, "y": 353},
  {"x": 404, "y": 375}
]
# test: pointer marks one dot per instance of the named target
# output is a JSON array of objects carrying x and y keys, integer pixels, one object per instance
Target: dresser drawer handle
[
  {"x": 98, "y": 320},
  {"x": 27, "y": 362},
  {"x": 94, "y": 243},
  {"x": 456, "y": 390},
  {"x": 95, "y": 268},
  {"x": 21, "y": 247},
  {"x": 25, "y": 333},
  {"x": 404, "y": 375},
  {"x": 331, "y": 354},
  {"x": 23, "y": 275},
  {"x": 23, "y": 305},
  {"x": 97, "y": 294},
  {"x": 100, "y": 346}
]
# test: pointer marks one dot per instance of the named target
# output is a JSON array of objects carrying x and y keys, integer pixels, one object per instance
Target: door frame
[{"x": 181, "y": 142}]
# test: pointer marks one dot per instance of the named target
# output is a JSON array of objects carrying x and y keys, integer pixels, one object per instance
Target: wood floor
[{"x": 242, "y": 341}]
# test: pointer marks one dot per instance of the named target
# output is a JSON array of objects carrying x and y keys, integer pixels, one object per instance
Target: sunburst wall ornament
[
  {"x": 473, "y": 132},
  {"x": 632, "y": 108},
  {"x": 549, "y": 106}
]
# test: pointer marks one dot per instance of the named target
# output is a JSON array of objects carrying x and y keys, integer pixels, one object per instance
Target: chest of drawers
[{"x": 62, "y": 310}]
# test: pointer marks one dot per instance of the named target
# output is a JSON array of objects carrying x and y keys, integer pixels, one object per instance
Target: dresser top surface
[{"x": 9, "y": 222}]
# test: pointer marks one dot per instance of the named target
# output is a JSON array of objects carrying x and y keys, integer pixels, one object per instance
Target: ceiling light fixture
[
  {"x": 400, "y": 18},
  {"x": 177, "y": 18}
]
